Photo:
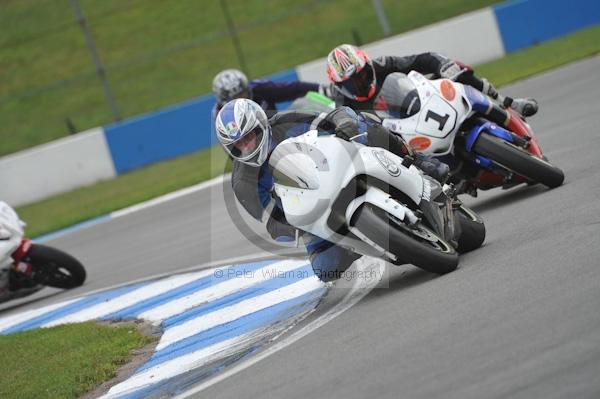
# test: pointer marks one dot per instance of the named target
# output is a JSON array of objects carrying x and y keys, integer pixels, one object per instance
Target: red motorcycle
[
  {"x": 25, "y": 267},
  {"x": 485, "y": 144}
]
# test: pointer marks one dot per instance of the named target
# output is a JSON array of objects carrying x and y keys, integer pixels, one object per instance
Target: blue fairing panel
[
  {"x": 490, "y": 128},
  {"x": 479, "y": 102}
]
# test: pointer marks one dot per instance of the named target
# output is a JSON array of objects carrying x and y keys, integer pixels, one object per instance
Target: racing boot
[
  {"x": 432, "y": 166},
  {"x": 524, "y": 106}
]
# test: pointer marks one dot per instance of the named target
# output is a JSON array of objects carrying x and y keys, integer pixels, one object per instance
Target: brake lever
[{"x": 407, "y": 161}]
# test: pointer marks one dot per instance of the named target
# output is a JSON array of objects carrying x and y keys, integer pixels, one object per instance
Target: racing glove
[
  {"x": 278, "y": 227},
  {"x": 327, "y": 90},
  {"x": 380, "y": 136},
  {"x": 345, "y": 122},
  {"x": 451, "y": 70},
  {"x": 432, "y": 166}
]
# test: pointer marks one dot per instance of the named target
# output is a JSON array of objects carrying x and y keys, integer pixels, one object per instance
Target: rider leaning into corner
[
  {"x": 357, "y": 79},
  {"x": 11, "y": 286},
  {"x": 249, "y": 137},
  {"x": 231, "y": 84}
]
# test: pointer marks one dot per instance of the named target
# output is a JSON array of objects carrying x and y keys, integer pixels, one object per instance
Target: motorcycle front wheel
[
  {"x": 417, "y": 244},
  {"x": 54, "y": 268},
  {"x": 472, "y": 230},
  {"x": 518, "y": 160}
]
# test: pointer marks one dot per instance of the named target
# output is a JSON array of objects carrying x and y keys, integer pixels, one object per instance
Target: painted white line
[
  {"x": 181, "y": 364},
  {"x": 171, "y": 196},
  {"x": 10, "y": 321},
  {"x": 358, "y": 291},
  {"x": 131, "y": 298},
  {"x": 241, "y": 309},
  {"x": 219, "y": 290},
  {"x": 134, "y": 208}
]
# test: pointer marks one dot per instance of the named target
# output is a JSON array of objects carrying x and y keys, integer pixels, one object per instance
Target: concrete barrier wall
[
  {"x": 474, "y": 38},
  {"x": 56, "y": 167},
  {"x": 169, "y": 133}
]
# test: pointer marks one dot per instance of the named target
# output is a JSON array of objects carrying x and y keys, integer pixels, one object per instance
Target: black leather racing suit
[
  {"x": 425, "y": 63},
  {"x": 253, "y": 186}
]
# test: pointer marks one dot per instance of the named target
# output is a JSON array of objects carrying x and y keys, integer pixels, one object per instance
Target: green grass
[
  {"x": 65, "y": 361},
  {"x": 87, "y": 202},
  {"x": 157, "y": 53},
  {"x": 543, "y": 57}
]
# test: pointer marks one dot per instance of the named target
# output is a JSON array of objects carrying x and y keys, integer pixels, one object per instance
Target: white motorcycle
[
  {"x": 26, "y": 265},
  {"x": 370, "y": 201}
]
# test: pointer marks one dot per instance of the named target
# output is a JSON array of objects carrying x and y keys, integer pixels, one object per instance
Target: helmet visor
[
  {"x": 248, "y": 146},
  {"x": 359, "y": 84}
]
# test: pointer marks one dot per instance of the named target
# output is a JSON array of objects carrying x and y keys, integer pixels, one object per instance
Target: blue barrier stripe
[
  {"x": 524, "y": 23},
  {"x": 167, "y": 133},
  {"x": 187, "y": 289},
  {"x": 72, "y": 308},
  {"x": 255, "y": 290},
  {"x": 243, "y": 325}
]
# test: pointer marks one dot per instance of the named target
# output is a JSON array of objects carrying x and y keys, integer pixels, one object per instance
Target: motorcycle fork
[
  {"x": 20, "y": 253},
  {"x": 517, "y": 126}
]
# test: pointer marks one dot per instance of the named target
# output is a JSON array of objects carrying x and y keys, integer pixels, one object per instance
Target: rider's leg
[
  {"x": 524, "y": 106},
  {"x": 328, "y": 260}
]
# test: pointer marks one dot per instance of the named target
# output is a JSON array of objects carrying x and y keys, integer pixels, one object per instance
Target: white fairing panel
[
  {"x": 11, "y": 233},
  {"x": 293, "y": 162},
  {"x": 336, "y": 162},
  {"x": 9, "y": 220},
  {"x": 438, "y": 118},
  {"x": 432, "y": 130}
]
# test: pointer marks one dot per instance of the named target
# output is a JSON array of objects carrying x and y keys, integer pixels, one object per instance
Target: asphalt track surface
[{"x": 519, "y": 319}]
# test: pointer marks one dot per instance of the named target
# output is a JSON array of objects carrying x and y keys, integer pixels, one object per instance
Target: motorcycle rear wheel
[
  {"x": 406, "y": 242},
  {"x": 518, "y": 160},
  {"x": 54, "y": 268}
]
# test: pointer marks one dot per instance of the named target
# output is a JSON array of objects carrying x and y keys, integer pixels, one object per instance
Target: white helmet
[
  {"x": 244, "y": 131},
  {"x": 230, "y": 84}
]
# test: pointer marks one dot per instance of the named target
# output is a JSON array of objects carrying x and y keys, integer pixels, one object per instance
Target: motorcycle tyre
[{"x": 378, "y": 226}]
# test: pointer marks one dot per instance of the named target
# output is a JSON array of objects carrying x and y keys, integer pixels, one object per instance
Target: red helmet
[{"x": 350, "y": 69}]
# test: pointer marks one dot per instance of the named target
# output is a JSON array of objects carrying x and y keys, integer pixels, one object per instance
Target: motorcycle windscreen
[
  {"x": 398, "y": 97},
  {"x": 292, "y": 165}
]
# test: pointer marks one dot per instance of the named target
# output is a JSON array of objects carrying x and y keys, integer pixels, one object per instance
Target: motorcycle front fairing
[
  {"x": 11, "y": 233},
  {"x": 311, "y": 173},
  {"x": 443, "y": 108}
]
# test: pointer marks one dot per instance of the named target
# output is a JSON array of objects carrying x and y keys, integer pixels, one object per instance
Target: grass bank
[
  {"x": 65, "y": 361},
  {"x": 156, "y": 53},
  {"x": 161, "y": 178}
]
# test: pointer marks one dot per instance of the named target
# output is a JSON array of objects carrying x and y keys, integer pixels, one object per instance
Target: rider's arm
[
  {"x": 251, "y": 188},
  {"x": 425, "y": 63},
  {"x": 439, "y": 66},
  {"x": 282, "y": 91},
  {"x": 351, "y": 126},
  {"x": 468, "y": 77}
]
